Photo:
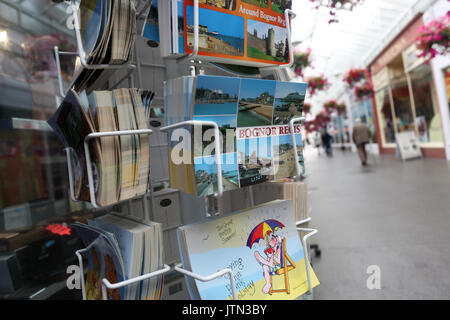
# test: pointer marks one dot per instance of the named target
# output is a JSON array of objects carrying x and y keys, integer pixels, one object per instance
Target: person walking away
[
  {"x": 317, "y": 141},
  {"x": 326, "y": 140},
  {"x": 361, "y": 137}
]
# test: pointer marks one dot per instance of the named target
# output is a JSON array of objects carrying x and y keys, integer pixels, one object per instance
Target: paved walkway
[{"x": 391, "y": 214}]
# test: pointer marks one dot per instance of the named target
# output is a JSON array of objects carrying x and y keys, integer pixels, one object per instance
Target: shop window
[
  {"x": 33, "y": 171},
  {"x": 402, "y": 106},
  {"x": 428, "y": 119},
  {"x": 386, "y": 119}
]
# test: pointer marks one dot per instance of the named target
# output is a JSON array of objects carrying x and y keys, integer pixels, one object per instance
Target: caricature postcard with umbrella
[{"x": 260, "y": 245}]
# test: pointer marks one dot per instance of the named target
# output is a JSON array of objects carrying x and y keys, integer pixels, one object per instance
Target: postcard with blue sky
[
  {"x": 216, "y": 95},
  {"x": 219, "y": 33},
  {"x": 289, "y": 100},
  {"x": 266, "y": 41},
  {"x": 256, "y": 100},
  {"x": 206, "y": 173}
]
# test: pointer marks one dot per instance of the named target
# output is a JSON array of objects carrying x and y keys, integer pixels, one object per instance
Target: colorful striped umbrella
[{"x": 260, "y": 231}]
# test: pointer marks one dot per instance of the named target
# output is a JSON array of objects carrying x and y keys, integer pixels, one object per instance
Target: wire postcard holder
[
  {"x": 81, "y": 54},
  {"x": 89, "y": 165}
]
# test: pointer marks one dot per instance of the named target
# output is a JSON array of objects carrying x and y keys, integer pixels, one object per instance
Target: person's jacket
[{"x": 361, "y": 134}]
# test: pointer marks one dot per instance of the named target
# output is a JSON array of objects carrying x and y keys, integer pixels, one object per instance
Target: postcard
[
  {"x": 151, "y": 26},
  {"x": 206, "y": 174},
  {"x": 289, "y": 99},
  {"x": 255, "y": 160},
  {"x": 219, "y": 32},
  {"x": 284, "y": 156},
  {"x": 256, "y": 101},
  {"x": 267, "y": 42},
  {"x": 260, "y": 245}
]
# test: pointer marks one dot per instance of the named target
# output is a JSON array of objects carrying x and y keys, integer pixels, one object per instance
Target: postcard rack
[
  {"x": 91, "y": 179},
  {"x": 194, "y": 58}
]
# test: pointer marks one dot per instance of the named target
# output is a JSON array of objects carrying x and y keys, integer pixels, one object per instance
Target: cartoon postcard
[{"x": 260, "y": 245}]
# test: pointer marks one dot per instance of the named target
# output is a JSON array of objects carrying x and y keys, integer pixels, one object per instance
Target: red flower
[
  {"x": 316, "y": 84},
  {"x": 434, "y": 38},
  {"x": 354, "y": 76},
  {"x": 363, "y": 90},
  {"x": 302, "y": 60}
]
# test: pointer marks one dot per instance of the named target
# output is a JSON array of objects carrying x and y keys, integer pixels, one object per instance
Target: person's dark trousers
[{"x": 362, "y": 153}]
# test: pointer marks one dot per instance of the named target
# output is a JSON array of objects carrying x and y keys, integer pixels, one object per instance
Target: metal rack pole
[
  {"x": 291, "y": 127},
  {"x": 311, "y": 232}
]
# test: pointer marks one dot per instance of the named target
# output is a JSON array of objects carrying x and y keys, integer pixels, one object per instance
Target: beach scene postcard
[
  {"x": 266, "y": 42},
  {"x": 256, "y": 100},
  {"x": 284, "y": 155},
  {"x": 216, "y": 96},
  {"x": 260, "y": 245},
  {"x": 206, "y": 174},
  {"x": 289, "y": 99},
  {"x": 227, "y": 131},
  {"x": 255, "y": 160},
  {"x": 219, "y": 33}
]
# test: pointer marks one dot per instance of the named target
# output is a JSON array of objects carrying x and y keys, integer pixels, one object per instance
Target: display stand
[{"x": 195, "y": 60}]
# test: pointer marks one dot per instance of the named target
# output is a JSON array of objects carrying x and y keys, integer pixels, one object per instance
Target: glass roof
[{"x": 354, "y": 41}]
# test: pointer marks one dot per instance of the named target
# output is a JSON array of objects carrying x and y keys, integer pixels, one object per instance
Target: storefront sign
[
  {"x": 403, "y": 41},
  {"x": 380, "y": 79},
  {"x": 410, "y": 58}
]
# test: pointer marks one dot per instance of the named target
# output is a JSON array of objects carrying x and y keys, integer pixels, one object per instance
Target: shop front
[{"x": 405, "y": 96}]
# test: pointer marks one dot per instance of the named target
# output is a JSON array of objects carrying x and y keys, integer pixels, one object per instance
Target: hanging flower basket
[
  {"x": 355, "y": 76},
  {"x": 364, "y": 90},
  {"x": 434, "y": 38},
  {"x": 302, "y": 60},
  {"x": 330, "y": 106},
  {"x": 341, "y": 109},
  {"x": 310, "y": 126},
  {"x": 321, "y": 120},
  {"x": 317, "y": 84}
]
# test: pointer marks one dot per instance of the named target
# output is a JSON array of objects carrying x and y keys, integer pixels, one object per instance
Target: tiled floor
[{"x": 394, "y": 215}]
